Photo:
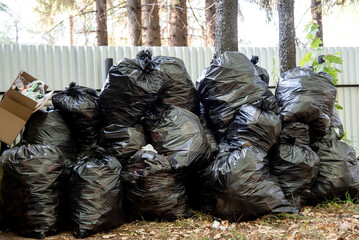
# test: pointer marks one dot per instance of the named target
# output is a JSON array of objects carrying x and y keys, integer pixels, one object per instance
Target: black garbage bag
[
  {"x": 177, "y": 134},
  {"x": 130, "y": 89},
  {"x": 3, "y": 147},
  {"x": 294, "y": 162},
  {"x": 210, "y": 136},
  {"x": 153, "y": 188},
  {"x": 178, "y": 88},
  {"x": 96, "y": 194},
  {"x": 122, "y": 142},
  {"x": 30, "y": 189},
  {"x": 48, "y": 127},
  {"x": 319, "y": 126},
  {"x": 332, "y": 129},
  {"x": 295, "y": 133},
  {"x": 262, "y": 73},
  {"x": 268, "y": 102},
  {"x": 252, "y": 126},
  {"x": 304, "y": 94},
  {"x": 78, "y": 105},
  {"x": 338, "y": 171},
  {"x": 336, "y": 126},
  {"x": 296, "y": 167},
  {"x": 243, "y": 187},
  {"x": 228, "y": 83},
  {"x": 1, "y": 204}
]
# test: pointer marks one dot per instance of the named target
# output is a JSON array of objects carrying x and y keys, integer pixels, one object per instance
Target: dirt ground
[{"x": 331, "y": 220}]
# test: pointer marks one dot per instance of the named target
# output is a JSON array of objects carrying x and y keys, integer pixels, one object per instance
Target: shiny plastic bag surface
[
  {"x": 96, "y": 194},
  {"x": 30, "y": 189},
  {"x": 153, "y": 188}
]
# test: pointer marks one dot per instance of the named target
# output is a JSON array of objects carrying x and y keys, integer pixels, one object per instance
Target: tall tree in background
[
  {"x": 316, "y": 8},
  {"x": 226, "y": 38},
  {"x": 70, "y": 4},
  {"x": 287, "y": 52},
  {"x": 71, "y": 23},
  {"x": 101, "y": 21},
  {"x": 210, "y": 13},
  {"x": 151, "y": 23},
  {"x": 178, "y": 23},
  {"x": 134, "y": 22}
]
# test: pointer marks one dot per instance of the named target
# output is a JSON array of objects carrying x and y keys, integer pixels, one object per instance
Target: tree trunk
[
  {"x": 226, "y": 35},
  {"x": 71, "y": 22},
  {"x": 151, "y": 23},
  {"x": 210, "y": 12},
  {"x": 101, "y": 20},
  {"x": 178, "y": 23},
  {"x": 316, "y": 9},
  {"x": 134, "y": 22},
  {"x": 287, "y": 53}
]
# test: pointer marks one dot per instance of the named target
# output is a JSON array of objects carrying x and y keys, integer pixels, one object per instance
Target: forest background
[{"x": 73, "y": 22}]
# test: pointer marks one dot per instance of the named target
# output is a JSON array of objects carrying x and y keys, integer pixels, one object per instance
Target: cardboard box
[{"x": 16, "y": 109}]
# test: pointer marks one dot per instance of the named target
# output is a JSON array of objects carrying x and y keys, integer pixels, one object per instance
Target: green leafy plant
[{"x": 330, "y": 61}]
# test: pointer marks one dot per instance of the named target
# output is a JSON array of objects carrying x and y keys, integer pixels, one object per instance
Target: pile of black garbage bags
[{"x": 152, "y": 146}]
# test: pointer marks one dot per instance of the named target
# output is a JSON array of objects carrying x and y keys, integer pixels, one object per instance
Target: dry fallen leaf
[{"x": 109, "y": 236}]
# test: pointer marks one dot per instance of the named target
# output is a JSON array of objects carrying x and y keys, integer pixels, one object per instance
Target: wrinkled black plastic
[
  {"x": 30, "y": 189},
  {"x": 210, "y": 136},
  {"x": 178, "y": 88},
  {"x": 268, "y": 101},
  {"x": 243, "y": 186},
  {"x": 178, "y": 135},
  {"x": 96, "y": 194},
  {"x": 122, "y": 142},
  {"x": 262, "y": 73},
  {"x": 130, "y": 89},
  {"x": 228, "y": 83},
  {"x": 153, "y": 188},
  {"x": 295, "y": 133},
  {"x": 48, "y": 127},
  {"x": 336, "y": 125},
  {"x": 252, "y": 126},
  {"x": 296, "y": 167},
  {"x": 78, "y": 105},
  {"x": 319, "y": 126},
  {"x": 304, "y": 94},
  {"x": 3, "y": 147},
  {"x": 338, "y": 171},
  {"x": 334, "y": 129}
]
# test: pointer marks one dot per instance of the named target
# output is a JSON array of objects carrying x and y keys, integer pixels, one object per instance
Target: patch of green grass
[
  {"x": 292, "y": 216},
  {"x": 277, "y": 219},
  {"x": 306, "y": 210},
  {"x": 271, "y": 220},
  {"x": 350, "y": 200},
  {"x": 337, "y": 204}
]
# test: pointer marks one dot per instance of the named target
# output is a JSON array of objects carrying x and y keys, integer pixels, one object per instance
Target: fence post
[{"x": 108, "y": 65}]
